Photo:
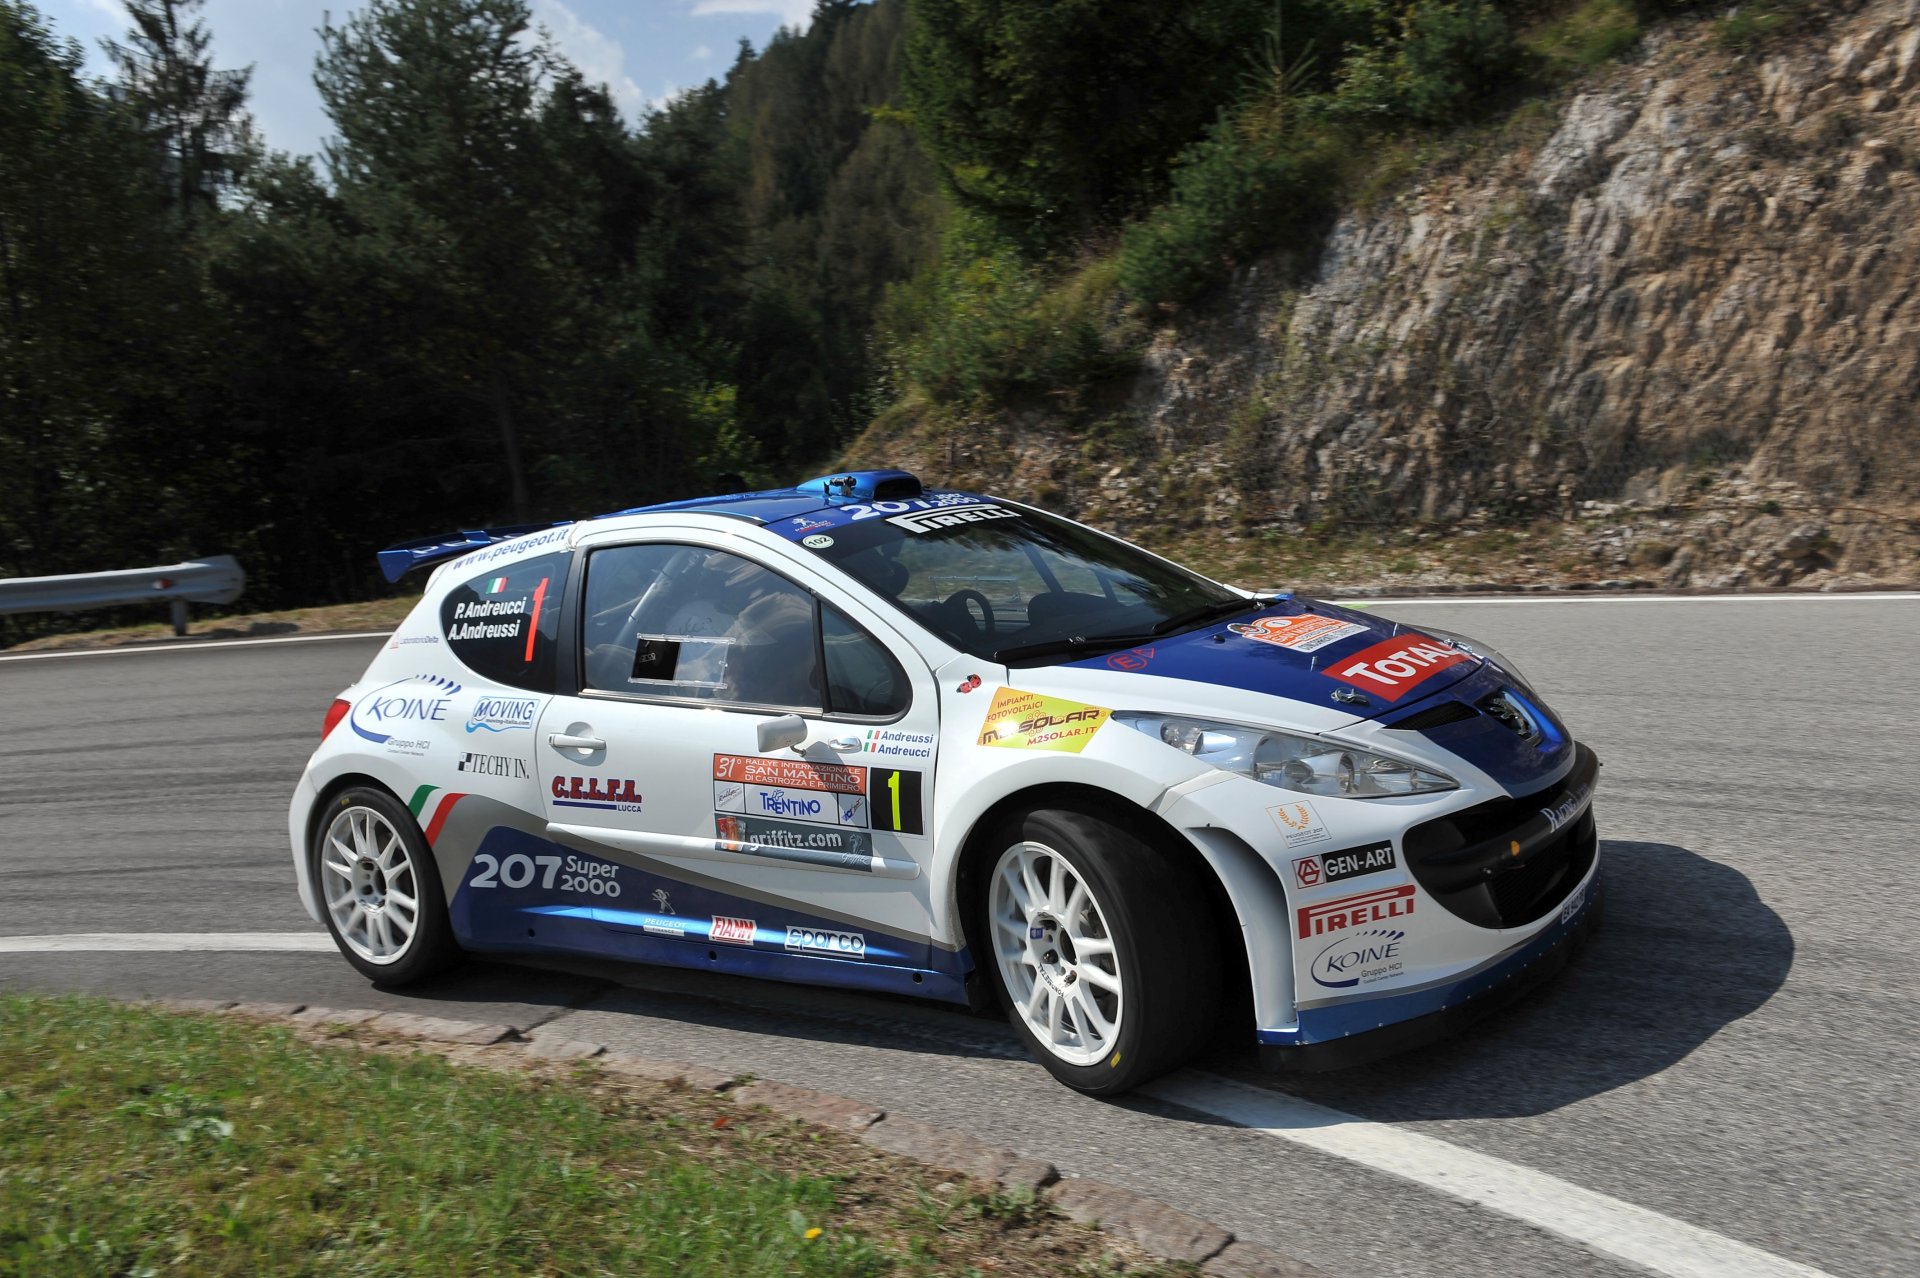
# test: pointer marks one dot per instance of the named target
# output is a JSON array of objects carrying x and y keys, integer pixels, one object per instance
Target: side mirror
[{"x": 787, "y": 730}]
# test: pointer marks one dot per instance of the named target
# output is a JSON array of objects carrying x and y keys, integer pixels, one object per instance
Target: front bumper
[{"x": 1365, "y": 1030}]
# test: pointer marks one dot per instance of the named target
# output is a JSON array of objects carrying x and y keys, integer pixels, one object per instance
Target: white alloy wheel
[
  {"x": 371, "y": 888},
  {"x": 1058, "y": 958}
]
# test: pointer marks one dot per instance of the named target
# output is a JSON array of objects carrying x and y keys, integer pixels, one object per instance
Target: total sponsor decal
[
  {"x": 1030, "y": 721},
  {"x": 1394, "y": 667},
  {"x": 934, "y": 520},
  {"x": 1304, "y": 633},
  {"x": 911, "y": 745},
  {"x": 1356, "y": 911},
  {"x": 1365, "y": 958},
  {"x": 502, "y": 714},
  {"x": 732, "y": 931},
  {"x": 494, "y": 765},
  {"x": 614, "y": 794},
  {"x": 1299, "y": 825},
  {"x": 1331, "y": 867},
  {"x": 391, "y": 707},
  {"x": 813, "y": 940}
]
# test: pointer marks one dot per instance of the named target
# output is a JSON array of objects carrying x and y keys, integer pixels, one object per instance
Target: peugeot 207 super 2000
[{"x": 859, "y": 733}]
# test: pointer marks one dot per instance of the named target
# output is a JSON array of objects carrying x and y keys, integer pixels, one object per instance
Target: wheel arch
[{"x": 1215, "y": 865}]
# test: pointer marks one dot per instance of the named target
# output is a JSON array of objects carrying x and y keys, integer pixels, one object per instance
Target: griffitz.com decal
[
  {"x": 1029, "y": 721},
  {"x": 1394, "y": 667},
  {"x": 1356, "y": 911},
  {"x": 1305, "y": 633}
]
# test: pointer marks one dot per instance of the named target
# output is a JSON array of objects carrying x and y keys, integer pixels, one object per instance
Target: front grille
[
  {"x": 1434, "y": 717},
  {"x": 1469, "y": 863}
]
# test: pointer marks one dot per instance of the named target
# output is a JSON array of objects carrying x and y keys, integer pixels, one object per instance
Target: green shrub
[
  {"x": 1753, "y": 23},
  {"x": 1431, "y": 64},
  {"x": 1595, "y": 32}
]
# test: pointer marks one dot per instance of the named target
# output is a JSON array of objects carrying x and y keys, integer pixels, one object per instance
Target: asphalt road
[{"x": 1737, "y": 1050}]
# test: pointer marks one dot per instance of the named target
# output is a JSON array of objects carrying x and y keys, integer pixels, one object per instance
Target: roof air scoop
[{"x": 864, "y": 485}]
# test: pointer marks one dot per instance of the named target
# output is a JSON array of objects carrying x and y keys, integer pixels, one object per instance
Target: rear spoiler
[{"x": 397, "y": 561}]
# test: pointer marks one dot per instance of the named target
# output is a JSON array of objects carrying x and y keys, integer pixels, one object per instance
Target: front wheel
[
  {"x": 1101, "y": 948},
  {"x": 379, "y": 889}
]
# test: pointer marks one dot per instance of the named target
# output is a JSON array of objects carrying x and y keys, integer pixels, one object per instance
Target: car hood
[{"x": 1304, "y": 650}]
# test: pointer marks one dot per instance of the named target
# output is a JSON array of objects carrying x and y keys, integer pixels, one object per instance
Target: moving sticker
[
  {"x": 1305, "y": 633},
  {"x": 1029, "y": 721}
]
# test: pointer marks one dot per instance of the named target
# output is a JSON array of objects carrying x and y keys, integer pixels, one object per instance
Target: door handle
[
  {"x": 844, "y": 744},
  {"x": 562, "y": 741}
]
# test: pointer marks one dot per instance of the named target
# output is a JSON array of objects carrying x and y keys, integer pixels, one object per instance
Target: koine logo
[
  {"x": 1361, "y": 959},
  {"x": 502, "y": 714},
  {"x": 415, "y": 699}
]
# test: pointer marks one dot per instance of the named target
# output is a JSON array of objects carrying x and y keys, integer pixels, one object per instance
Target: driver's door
[{"x": 816, "y": 844}]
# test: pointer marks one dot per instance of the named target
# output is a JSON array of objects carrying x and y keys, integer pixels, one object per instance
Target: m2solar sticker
[
  {"x": 1394, "y": 667},
  {"x": 1030, "y": 721},
  {"x": 1304, "y": 633}
]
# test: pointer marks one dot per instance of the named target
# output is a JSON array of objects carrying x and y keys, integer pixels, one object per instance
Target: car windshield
[{"x": 1008, "y": 583}]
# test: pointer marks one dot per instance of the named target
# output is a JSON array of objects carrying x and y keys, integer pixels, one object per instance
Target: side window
[
  {"x": 705, "y": 625},
  {"x": 503, "y": 624},
  {"x": 862, "y": 676}
]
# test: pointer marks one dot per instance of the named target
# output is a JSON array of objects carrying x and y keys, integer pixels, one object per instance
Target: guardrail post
[{"x": 178, "y": 608}]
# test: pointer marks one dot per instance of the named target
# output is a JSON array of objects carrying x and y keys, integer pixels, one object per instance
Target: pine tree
[{"x": 195, "y": 114}]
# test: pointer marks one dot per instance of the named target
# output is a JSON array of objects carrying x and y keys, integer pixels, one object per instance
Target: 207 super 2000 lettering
[{"x": 867, "y": 734}]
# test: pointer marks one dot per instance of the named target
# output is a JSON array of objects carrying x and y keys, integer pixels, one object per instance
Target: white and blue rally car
[{"x": 860, "y": 733}]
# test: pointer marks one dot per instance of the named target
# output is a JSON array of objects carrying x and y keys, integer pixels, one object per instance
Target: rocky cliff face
[{"x": 1686, "y": 322}]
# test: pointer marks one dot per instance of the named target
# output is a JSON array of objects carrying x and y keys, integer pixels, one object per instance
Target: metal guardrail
[{"x": 217, "y": 579}]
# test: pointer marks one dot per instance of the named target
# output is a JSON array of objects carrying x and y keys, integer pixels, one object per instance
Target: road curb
[{"x": 1154, "y": 1226}]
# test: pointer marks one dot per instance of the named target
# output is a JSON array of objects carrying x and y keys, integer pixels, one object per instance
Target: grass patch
[
  {"x": 138, "y": 1142},
  {"x": 1754, "y": 23},
  {"x": 1587, "y": 35}
]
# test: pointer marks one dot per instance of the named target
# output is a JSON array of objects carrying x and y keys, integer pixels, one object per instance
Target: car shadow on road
[{"x": 1686, "y": 947}]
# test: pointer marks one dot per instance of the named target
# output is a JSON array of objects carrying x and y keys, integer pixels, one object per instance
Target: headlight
[
  {"x": 1289, "y": 760},
  {"x": 1485, "y": 651}
]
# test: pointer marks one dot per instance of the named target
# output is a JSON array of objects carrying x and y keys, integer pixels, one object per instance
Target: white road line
[
  {"x": 1620, "y": 1230},
  {"x": 1886, "y": 597},
  {"x": 212, "y": 646},
  {"x": 166, "y": 942}
]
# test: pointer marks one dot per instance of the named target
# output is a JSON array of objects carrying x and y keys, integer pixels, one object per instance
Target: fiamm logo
[{"x": 414, "y": 699}]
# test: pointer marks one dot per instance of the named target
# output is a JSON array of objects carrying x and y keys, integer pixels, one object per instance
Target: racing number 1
[{"x": 904, "y": 801}]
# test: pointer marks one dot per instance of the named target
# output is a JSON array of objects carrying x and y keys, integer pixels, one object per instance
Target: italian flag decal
[
  {"x": 440, "y": 802},
  {"x": 497, "y": 585}
]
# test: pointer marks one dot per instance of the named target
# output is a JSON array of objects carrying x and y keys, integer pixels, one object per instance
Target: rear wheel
[
  {"x": 380, "y": 890},
  {"x": 1101, "y": 948}
]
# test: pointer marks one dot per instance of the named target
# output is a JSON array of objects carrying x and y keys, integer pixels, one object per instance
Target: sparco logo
[
  {"x": 928, "y": 521},
  {"x": 839, "y": 944},
  {"x": 502, "y": 714},
  {"x": 415, "y": 699}
]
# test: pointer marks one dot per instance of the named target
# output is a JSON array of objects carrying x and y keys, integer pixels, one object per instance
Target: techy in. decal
[
  {"x": 1356, "y": 911},
  {"x": 1304, "y": 633},
  {"x": 614, "y": 794},
  {"x": 1365, "y": 958},
  {"x": 414, "y": 699}
]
